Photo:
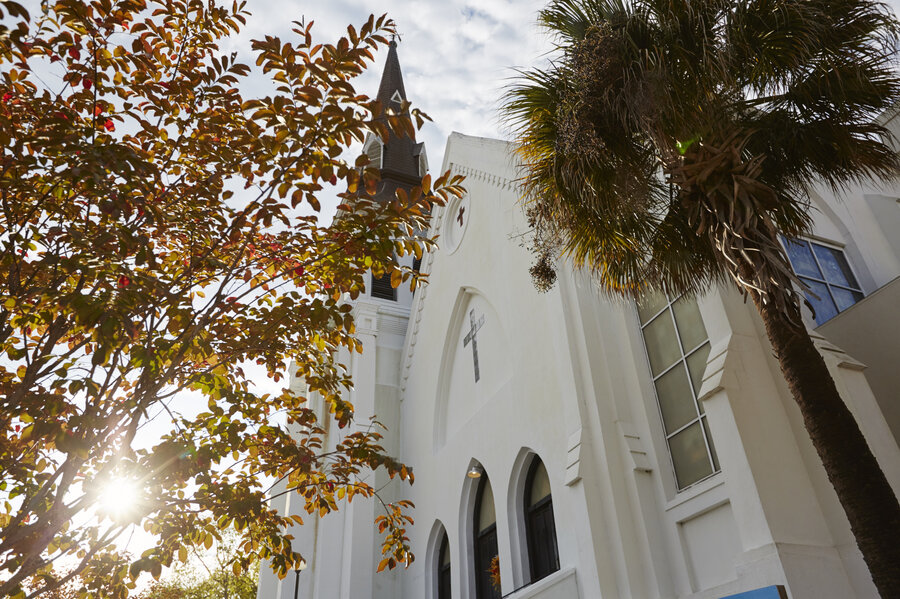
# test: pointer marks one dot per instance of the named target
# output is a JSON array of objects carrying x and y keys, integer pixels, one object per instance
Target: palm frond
[
  {"x": 738, "y": 105},
  {"x": 568, "y": 21}
]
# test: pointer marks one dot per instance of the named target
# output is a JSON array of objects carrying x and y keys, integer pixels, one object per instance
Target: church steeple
[
  {"x": 391, "y": 92},
  {"x": 400, "y": 159}
]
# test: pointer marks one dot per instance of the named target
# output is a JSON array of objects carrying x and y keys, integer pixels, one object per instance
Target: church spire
[
  {"x": 391, "y": 92},
  {"x": 402, "y": 160}
]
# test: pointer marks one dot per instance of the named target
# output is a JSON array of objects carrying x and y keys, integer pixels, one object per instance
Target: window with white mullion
[
  {"x": 832, "y": 285},
  {"x": 677, "y": 349}
]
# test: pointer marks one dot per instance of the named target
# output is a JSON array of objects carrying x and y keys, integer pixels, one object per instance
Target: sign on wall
[{"x": 772, "y": 592}]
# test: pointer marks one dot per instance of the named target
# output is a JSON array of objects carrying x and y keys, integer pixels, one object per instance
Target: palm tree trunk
[{"x": 864, "y": 492}]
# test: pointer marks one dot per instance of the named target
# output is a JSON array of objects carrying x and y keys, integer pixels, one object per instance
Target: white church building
[{"x": 597, "y": 448}]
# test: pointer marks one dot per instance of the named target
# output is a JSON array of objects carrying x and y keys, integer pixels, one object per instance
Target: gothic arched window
[
  {"x": 485, "y": 540},
  {"x": 443, "y": 569},
  {"x": 540, "y": 528}
]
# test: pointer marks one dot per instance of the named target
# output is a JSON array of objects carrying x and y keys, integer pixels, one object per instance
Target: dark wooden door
[
  {"x": 485, "y": 550},
  {"x": 444, "y": 582},
  {"x": 542, "y": 550}
]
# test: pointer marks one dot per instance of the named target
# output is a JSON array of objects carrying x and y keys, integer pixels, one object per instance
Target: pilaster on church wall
[
  {"x": 849, "y": 376},
  {"x": 781, "y": 498},
  {"x": 613, "y": 455}
]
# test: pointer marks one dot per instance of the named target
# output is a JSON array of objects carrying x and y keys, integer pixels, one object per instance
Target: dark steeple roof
[
  {"x": 400, "y": 153},
  {"x": 391, "y": 80}
]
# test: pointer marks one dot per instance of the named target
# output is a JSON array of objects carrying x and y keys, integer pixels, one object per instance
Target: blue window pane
[
  {"x": 822, "y": 305},
  {"x": 845, "y": 297},
  {"x": 801, "y": 258},
  {"x": 833, "y": 262}
]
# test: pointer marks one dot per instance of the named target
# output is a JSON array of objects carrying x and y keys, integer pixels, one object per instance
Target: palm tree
[{"x": 671, "y": 142}]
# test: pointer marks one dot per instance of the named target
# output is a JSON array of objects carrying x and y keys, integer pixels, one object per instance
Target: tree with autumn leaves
[
  {"x": 160, "y": 236},
  {"x": 208, "y": 575}
]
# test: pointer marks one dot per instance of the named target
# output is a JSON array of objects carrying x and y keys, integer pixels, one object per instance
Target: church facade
[{"x": 566, "y": 445}]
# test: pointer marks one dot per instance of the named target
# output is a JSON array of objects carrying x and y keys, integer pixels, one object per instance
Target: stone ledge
[{"x": 559, "y": 585}]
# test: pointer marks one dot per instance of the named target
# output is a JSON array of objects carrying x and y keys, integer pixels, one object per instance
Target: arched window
[
  {"x": 485, "y": 540},
  {"x": 543, "y": 555},
  {"x": 443, "y": 569},
  {"x": 825, "y": 271}
]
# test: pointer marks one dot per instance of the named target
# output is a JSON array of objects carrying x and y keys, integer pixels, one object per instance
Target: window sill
[
  {"x": 704, "y": 487},
  {"x": 549, "y": 586}
]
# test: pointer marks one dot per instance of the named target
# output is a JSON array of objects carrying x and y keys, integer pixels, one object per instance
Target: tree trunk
[{"x": 863, "y": 490}]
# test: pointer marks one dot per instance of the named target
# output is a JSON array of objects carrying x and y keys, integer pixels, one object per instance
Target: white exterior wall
[
  {"x": 343, "y": 548},
  {"x": 564, "y": 375}
]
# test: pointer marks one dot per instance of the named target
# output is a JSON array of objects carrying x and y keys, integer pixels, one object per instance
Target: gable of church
[{"x": 474, "y": 366}]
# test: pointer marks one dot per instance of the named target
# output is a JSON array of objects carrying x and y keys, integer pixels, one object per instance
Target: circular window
[{"x": 456, "y": 221}]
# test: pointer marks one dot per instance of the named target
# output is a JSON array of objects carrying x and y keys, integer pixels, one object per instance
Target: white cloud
[{"x": 456, "y": 55}]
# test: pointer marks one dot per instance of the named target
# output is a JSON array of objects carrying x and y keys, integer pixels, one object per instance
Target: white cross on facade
[{"x": 470, "y": 336}]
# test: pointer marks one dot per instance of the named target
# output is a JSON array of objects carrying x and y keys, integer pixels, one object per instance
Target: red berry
[{"x": 124, "y": 281}]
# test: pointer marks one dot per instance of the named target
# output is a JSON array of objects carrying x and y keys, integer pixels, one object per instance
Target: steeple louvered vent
[
  {"x": 381, "y": 288},
  {"x": 374, "y": 150}
]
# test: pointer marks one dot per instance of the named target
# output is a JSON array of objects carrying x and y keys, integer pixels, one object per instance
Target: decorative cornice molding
[
  {"x": 479, "y": 175},
  {"x": 412, "y": 332}
]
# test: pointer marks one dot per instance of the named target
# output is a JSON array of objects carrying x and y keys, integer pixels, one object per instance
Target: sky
[{"x": 457, "y": 55}]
